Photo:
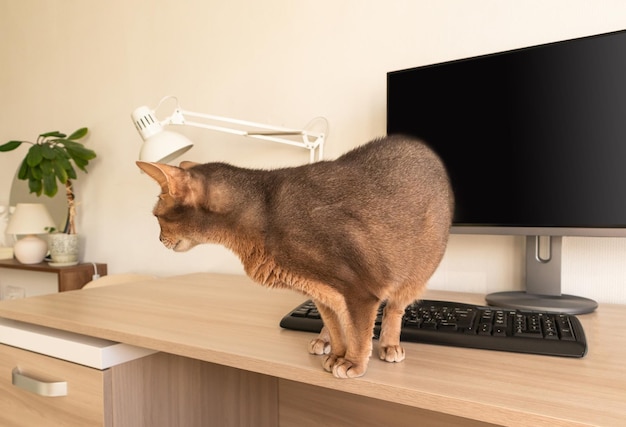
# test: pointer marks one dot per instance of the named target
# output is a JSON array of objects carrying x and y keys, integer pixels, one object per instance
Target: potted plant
[{"x": 51, "y": 160}]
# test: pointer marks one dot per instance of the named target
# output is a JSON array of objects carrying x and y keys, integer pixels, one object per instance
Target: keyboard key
[
  {"x": 499, "y": 331},
  {"x": 484, "y": 328}
]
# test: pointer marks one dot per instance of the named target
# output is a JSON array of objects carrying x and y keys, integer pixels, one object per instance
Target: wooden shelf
[{"x": 69, "y": 278}]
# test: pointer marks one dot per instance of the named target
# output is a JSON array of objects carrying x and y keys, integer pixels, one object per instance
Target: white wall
[{"x": 72, "y": 63}]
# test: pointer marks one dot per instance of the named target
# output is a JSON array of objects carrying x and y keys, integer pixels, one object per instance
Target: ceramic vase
[{"x": 63, "y": 249}]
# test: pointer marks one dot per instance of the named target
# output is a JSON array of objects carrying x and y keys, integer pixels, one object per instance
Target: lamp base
[{"x": 30, "y": 249}]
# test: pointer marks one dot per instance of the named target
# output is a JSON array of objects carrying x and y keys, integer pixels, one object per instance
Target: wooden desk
[
  {"x": 69, "y": 278},
  {"x": 227, "y": 322}
]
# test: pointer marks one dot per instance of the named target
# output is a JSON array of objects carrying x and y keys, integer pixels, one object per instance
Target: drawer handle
[{"x": 42, "y": 388}]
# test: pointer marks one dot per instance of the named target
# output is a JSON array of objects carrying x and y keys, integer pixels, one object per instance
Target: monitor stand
[{"x": 543, "y": 282}]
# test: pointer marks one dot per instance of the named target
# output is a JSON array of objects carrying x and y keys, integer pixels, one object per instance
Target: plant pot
[{"x": 63, "y": 249}]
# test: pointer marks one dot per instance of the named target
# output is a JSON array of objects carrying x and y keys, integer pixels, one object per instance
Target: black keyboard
[{"x": 473, "y": 326}]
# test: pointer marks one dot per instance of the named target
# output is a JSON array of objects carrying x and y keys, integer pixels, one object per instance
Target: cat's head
[{"x": 187, "y": 205}]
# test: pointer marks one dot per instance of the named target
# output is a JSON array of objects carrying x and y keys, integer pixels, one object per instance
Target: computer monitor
[{"x": 534, "y": 141}]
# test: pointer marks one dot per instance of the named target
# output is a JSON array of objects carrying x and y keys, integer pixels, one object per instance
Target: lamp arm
[
  {"x": 237, "y": 121},
  {"x": 269, "y": 133},
  {"x": 147, "y": 125}
]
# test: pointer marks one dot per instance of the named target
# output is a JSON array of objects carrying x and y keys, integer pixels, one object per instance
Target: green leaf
[
  {"x": 47, "y": 152},
  {"x": 71, "y": 173},
  {"x": 62, "y": 158},
  {"x": 23, "y": 172},
  {"x": 76, "y": 149},
  {"x": 78, "y": 134},
  {"x": 60, "y": 171},
  {"x": 50, "y": 185},
  {"x": 81, "y": 164},
  {"x": 46, "y": 167},
  {"x": 34, "y": 156},
  {"x": 52, "y": 134},
  {"x": 35, "y": 186},
  {"x": 35, "y": 173},
  {"x": 11, "y": 145},
  {"x": 80, "y": 155}
]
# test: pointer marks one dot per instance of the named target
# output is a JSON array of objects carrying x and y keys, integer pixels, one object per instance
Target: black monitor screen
[{"x": 534, "y": 137}]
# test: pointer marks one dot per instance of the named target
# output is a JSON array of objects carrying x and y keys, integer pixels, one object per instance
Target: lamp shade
[
  {"x": 30, "y": 218},
  {"x": 164, "y": 147},
  {"x": 159, "y": 145}
]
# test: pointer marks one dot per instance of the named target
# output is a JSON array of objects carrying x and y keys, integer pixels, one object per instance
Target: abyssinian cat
[{"x": 370, "y": 226}]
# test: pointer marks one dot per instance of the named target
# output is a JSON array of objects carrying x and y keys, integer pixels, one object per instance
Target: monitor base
[{"x": 522, "y": 300}]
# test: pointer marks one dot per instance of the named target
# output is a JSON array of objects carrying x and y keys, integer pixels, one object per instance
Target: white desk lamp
[
  {"x": 30, "y": 219},
  {"x": 162, "y": 145}
]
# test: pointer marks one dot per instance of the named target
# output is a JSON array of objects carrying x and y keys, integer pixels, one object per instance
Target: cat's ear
[
  {"x": 187, "y": 164},
  {"x": 173, "y": 180}
]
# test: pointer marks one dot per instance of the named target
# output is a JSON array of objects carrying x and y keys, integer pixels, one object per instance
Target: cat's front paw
[
  {"x": 319, "y": 346},
  {"x": 392, "y": 353},
  {"x": 329, "y": 361},
  {"x": 341, "y": 367}
]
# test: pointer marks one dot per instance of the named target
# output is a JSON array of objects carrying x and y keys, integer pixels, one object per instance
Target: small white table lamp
[{"x": 30, "y": 219}]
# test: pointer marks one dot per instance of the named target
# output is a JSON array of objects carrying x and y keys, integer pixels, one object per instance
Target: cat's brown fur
[{"x": 369, "y": 226}]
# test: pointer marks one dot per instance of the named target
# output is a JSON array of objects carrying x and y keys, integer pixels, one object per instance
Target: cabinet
[
  {"x": 50, "y": 377},
  {"x": 137, "y": 393},
  {"x": 68, "y": 278}
]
